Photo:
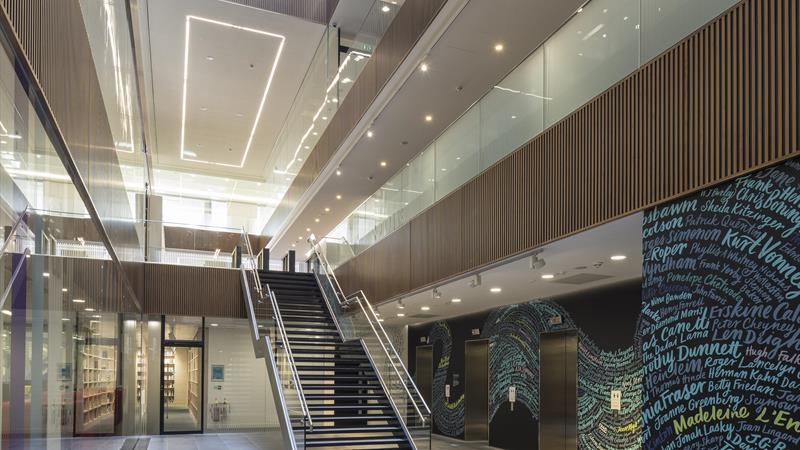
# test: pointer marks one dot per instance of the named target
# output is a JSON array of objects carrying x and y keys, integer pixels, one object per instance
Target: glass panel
[
  {"x": 513, "y": 111},
  {"x": 594, "y": 50},
  {"x": 97, "y": 351},
  {"x": 457, "y": 156},
  {"x": 665, "y": 22},
  {"x": 181, "y": 328},
  {"x": 182, "y": 387},
  {"x": 418, "y": 185}
]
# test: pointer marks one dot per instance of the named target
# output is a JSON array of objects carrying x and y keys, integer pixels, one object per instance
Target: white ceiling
[
  {"x": 462, "y": 67},
  {"x": 234, "y": 105},
  {"x": 586, "y": 253}
]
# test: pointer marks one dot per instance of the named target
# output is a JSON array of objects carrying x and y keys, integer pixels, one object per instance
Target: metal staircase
[{"x": 335, "y": 380}]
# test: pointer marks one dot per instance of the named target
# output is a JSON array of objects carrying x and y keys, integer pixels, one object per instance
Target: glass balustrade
[{"x": 603, "y": 42}]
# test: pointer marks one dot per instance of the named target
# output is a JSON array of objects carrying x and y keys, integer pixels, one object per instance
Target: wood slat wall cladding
[
  {"x": 721, "y": 103},
  {"x": 193, "y": 291},
  {"x": 411, "y": 21},
  {"x": 208, "y": 240}
]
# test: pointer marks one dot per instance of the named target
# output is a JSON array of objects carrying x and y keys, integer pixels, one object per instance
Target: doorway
[
  {"x": 182, "y": 377},
  {"x": 558, "y": 390},
  {"x": 476, "y": 390},
  {"x": 424, "y": 371}
]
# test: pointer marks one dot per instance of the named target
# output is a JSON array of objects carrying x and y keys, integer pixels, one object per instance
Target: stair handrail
[
  {"x": 293, "y": 367},
  {"x": 13, "y": 232},
  {"x": 372, "y": 319},
  {"x": 256, "y": 281},
  {"x": 253, "y": 271}
]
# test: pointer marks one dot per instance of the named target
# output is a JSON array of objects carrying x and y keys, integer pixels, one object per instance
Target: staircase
[{"x": 345, "y": 398}]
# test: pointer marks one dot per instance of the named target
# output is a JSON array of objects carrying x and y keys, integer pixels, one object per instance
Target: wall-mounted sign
[
  {"x": 476, "y": 331},
  {"x": 217, "y": 372}
]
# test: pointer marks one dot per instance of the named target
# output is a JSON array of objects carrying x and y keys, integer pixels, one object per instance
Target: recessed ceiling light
[
  {"x": 370, "y": 133},
  {"x": 401, "y": 314},
  {"x": 65, "y": 319},
  {"x": 213, "y": 324},
  {"x": 338, "y": 172},
  {"x": 618, "y": 257},
  {"x": 513, "y": 117},
  {"x": 386, "y": 9},
  {"x": 425, "y": 308},
  {"x": 495, "y": 290},
  {"x": 89, "y": 309},
  {"x": 547, "y": 276},
  {"x": 96, "y": 316},
  {"x": 308, "y": 230},
  {"x": 78, "y": 300},
  {"x": 429, "y": 118},
  {"x": 455, "y": 300},
  {"x": 338, "y": 196},
  {"x": 327, "y": 210},
  {"x": 324, "y": 117},
  {"x": 294, "y": 245},
  {"x": 498, "y": 47},
  {"x": 300, "y": 238},
  {"x": 210, "y": 58},
  {"x": 46, "y": 274},
  {"x": 383, "y": 163},
  {"x": 316, "y": 220},
  {"x": 423, "y": 67},
  {"x": 203, "y": 108},
  {"x": 63, "y": 289}
]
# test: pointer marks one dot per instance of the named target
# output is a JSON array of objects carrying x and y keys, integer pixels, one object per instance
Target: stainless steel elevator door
[
  {"x": 558, "y": 386},
  {"x": 424, "y": 371},
  {"x": 476, "y": 390}
]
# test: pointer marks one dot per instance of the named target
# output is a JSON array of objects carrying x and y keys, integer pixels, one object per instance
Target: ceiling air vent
[{"x": 581, "y": 278}]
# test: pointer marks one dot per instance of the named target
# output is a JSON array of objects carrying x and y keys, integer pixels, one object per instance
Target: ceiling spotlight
[
  {"x": 536, "y": 262},
  {"x": 436, "y": 293},
  {"x": 383, "y": 163},
  {"x": 338, "y": 196},
  {"x": 498, "y": 47},
  {"x": 425, "y": 308},
  {"x": 548, "y": 276},
  {"x": 429, "y": 118},
  {"x": 423, "y": 67},
  {"x": 618, "y": 257},
  {"x": 475, "y": 281},
  {"x": 495, "y": 290},
  {"x": 370, "y": 134},
  {"x": 455, "y": 300}
]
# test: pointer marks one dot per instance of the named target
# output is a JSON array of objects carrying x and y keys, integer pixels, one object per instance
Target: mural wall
[
  {"x": 720, "y": 315},
  {"x": 608, "y": 359}
]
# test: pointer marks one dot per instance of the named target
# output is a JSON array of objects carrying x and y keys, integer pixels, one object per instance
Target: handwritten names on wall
[{"x": 720, "y": 326}]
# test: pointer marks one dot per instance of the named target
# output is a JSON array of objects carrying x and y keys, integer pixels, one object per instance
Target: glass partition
[{"x": 603, "y": 42}]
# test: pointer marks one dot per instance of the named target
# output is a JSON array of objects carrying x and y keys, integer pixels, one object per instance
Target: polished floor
[{"x": 232, "y": 441}]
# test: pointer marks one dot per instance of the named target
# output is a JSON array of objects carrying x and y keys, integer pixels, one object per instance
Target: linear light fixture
[{"x": 189, "y": 19}]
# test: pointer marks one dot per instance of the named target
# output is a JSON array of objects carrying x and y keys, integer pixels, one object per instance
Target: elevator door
[
  {"x": 424, "y": 371},
  {"x": 476, "y": 390},
  {"x": 558, "y": 386}
]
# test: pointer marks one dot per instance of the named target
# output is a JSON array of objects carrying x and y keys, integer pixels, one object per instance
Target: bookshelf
[
  {"x": 169, "y": 377},
  {"x": 194, "y": 382},
  {"x": 98, "y": 380}
]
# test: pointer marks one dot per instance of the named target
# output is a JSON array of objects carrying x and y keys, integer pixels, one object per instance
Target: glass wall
[
  {"x": 336, "y": 65},
  {"x": 603, "y": 42}
]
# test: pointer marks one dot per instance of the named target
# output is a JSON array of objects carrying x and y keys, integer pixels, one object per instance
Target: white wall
[{"x": 245, "y": 387}]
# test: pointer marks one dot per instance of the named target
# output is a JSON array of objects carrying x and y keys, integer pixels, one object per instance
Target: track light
[
  {"x": 536, "y": 262},
  {"x": 475, "y": 281},
  {"x": 400, "y": 304},
  {"x": 436, "y": 294}
]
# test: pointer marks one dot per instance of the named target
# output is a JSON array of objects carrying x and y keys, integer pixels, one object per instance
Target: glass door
[{"x": 182, "y": 377}]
